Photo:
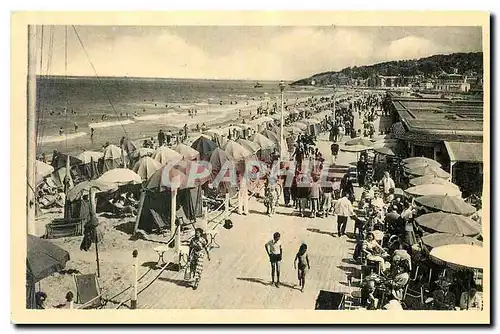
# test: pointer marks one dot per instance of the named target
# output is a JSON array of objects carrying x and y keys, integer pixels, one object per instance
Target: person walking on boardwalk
[
  {"x": 343, "y": 210},
  {"x": 275, "y": 253},
  {"x": 301, "y": 263},
  {"x": 197, "y": 250}
]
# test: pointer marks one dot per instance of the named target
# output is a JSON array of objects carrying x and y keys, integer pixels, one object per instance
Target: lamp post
[
  {"x": 282, "y": 89},
  {"x": 334, "y": 100}
]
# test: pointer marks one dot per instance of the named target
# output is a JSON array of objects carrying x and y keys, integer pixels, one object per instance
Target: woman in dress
[{"x": 197, "y": 250}]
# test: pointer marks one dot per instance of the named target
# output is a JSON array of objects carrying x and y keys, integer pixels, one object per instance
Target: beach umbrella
[
  {"x": 84, "y": 187},
  {"x": 128, "y": 145},
  {"x": 310, "y": 121},
  {"x": 429, "y": 179},
  {"x": 354, "y": 148},
  {"x": 276, "y": 117},
  {"x": 236, "y": 152},
  {"x": 385, "y": 151},
  {"x": 459, "y": 257},
  {"x": 166, "y": 155},
  {"x": 358, "y": 142},
  {"x": 272, "y": 136},
  {"x": 428, "y": 170},
  {"x": 381, "y": 137},
  {"x": 142, "y": 152},
  {"x": 217, "y": 132},
  {"x": 442, "y": 239},
  {"x": 146, "y": 167},
  {"x": 204, "y": 146},
  {"x": 434, "y": 189},
  {"x": 187, "y": 152},
  {"x": 449, "y": 223},
  {"x": 120, "y": 176},
  {"x": 300, "y": 125},
  {"x": 42, "y": 170},
  {"x": 392, "y": 143},
  {"x": 421, "y": 161},
  {"x": 112, "y": 152},
  {"x": 44, "y": 258},
  {"x": 450, "y": 204},
  {"x": 293, "y": 130},
  {"x": 249, "y": 145},
  {"x": 89, "y": 156},
  {"x": 263, "y": 142}
]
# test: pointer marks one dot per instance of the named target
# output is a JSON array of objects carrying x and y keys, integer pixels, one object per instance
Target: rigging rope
[{"x": 98, "y": 79}]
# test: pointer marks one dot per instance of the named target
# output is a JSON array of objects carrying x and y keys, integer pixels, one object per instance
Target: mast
[{"x": 31, "y": 118}]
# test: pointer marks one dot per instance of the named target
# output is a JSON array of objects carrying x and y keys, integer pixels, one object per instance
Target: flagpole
[{"x": 282, "y": 88}]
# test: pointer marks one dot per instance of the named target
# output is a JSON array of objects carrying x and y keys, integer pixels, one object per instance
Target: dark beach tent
[
  {"x": 205, "y": 147},
  {"x": 89, "y": 166},
  {"x": 157, "y": 198},
  {"x": 113, "y": 157},
  {"x": 219, "y": 160},
  {"x": 43, "y": 259},
  {"x": 59, "y": 160}
]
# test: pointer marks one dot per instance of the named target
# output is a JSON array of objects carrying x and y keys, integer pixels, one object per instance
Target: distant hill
[{"x": 428, "y": 67}]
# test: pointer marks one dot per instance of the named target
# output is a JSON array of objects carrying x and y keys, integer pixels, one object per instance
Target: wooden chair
[
  {"x": 60, "y": 227},
  {"x": 352, "y": 299},
  {"x": 162, "y": 227},
  {"x": 88, "y": 291}
]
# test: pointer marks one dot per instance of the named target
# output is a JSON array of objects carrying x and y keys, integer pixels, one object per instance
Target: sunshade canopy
[
  {"x": 359, "y": 141},
  {"x": 120, "y": 176},
  {"x": 249, "y": 145},
  {"x": 112, "y": 152},
  {"x": 146, "y": 167},
  {"x": 443, "y": 239},
  {"x": 165, "y": 155},
  {"x": 44, "y": 258},
  {"x": 83, "y": 188},
  {"x": 88, "y": 156},
  {"x": 236, "y": 152},
  {"x": 429, "y": 179},
  {"x": 434, "y": 189},
  {"x": 445, "y": 203},
  {"x": 449, "y": 223},
  {"x": 263, "y": 141},
  {"x": 460, "y": 256},
  {"x": 187, "y": 152}
]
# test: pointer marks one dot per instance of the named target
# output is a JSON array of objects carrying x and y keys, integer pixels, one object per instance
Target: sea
[{"x": 138, "y": 108}]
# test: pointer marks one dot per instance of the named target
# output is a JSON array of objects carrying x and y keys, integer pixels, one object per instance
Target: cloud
[{"x": 286, "y": 53}]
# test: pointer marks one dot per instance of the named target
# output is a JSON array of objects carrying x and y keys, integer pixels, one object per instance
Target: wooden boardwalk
[{"x": 238, "y": 277}]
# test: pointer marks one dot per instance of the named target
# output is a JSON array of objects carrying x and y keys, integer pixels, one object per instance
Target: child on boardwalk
[{"x": 301, "y": 263}]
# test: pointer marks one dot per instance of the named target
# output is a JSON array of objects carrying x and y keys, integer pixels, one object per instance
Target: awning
[{"x": 466, "y": 152}]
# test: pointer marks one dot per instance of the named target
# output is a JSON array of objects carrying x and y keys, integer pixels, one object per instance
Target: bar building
[{"x": 448, "y": 131}]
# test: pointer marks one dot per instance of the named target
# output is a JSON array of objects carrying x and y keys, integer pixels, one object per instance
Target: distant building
[{"x": 452, "y": 83}]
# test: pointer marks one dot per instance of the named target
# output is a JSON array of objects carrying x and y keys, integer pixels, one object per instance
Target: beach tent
[
  {"x": 142, "y": 152},
  {"x": 204, "y": 147},
  {"x": 146, "y": 167},
  {"x": 236, "y": 152},
  {"x": 165, "y": 155},
  {"x": 187, "y": 152},
  {"x": 113, "y": 157},
  {"x": 42, "y": 170},
  {"x": 249, "y": 145},
  {"x": 90, "y": 166},
  {"x": 157, "y": 197}
]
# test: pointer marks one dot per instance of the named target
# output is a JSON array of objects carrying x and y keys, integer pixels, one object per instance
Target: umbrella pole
[{"x": 97, "y": 254}]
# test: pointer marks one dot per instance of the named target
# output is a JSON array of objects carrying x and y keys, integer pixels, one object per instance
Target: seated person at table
[
  {"x": 373, "y": 250},
  {"x": 471, "y": 300},
  {"x": 442, "y": 297},
  {"x": 368, "y": 299},
  {"x": 400, "y": 280},
  {"x": 400, "y": 255}
]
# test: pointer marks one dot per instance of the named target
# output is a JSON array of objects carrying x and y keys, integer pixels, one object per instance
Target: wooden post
[
  {"x": 204, "y": 225},
  {"x": 227, "y": 205},
  {"x": 31, "y": 118},
  {"x": 452, "y": 163},
  {"x": 135, "y": 276},
  {"x": 96, "y": 240},
  {"x": 141, "y": 204}
]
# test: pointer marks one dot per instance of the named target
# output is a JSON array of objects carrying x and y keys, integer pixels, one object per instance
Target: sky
[{"x": 238, "y": 52}]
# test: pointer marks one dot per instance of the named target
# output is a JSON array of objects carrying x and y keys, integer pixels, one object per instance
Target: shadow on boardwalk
[
  {"x": 316, "y": 230},
  {"x": 179, "y": 282},
  {"x": 263, "y": 282}
]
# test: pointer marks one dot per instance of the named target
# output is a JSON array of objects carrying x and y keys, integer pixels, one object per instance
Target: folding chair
[
  {"x": 88, "y": 291},
  {"x": 352, "y": 299},
  {"x": 159, "y": 222},
  {"x": 212, "y": 237}
]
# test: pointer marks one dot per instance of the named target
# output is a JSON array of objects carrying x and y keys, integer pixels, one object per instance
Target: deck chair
[
  {"x": 60, "y": 227},
  {"x": 88, "y": 291},
  {"x": 162, "y": 227},
  {"x": 352, "y": 300}
]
